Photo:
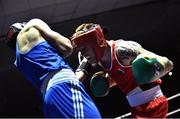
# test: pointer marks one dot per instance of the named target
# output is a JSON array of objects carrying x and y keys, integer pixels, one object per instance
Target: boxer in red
[{"x": 128, "y": 65}]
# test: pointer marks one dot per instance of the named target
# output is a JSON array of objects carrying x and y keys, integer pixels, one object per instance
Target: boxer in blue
[{"x": 40, "y": 57}]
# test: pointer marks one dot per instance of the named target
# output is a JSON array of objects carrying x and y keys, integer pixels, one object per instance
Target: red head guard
[{"x": 92, "y": 36}]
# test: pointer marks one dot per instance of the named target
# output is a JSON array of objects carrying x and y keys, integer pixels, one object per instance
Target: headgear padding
[
  {"x": 91, "y": 34},
  {"x": 12, "y": 34}
]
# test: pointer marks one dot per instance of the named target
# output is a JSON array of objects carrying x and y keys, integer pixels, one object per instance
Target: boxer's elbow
[{"x": 169, "y": 65}]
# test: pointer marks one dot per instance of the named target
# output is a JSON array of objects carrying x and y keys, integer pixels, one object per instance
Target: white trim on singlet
[
  {"x": 137, "y": 97},
  {"x": 57, "y": 77}
]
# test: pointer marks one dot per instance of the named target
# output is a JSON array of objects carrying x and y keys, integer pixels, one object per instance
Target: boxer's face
[{"x": 88, "y": 52}]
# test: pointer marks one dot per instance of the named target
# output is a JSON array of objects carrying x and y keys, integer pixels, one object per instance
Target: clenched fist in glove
[
  {"x": 99, "y": 84},
  {"x": 148, "y": 67}
]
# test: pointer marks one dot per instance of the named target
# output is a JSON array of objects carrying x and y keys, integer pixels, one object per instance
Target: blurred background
[{"x": 155, "y": 24}]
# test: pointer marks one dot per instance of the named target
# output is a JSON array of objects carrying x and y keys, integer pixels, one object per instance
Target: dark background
[{"x": 155, "y": 25}]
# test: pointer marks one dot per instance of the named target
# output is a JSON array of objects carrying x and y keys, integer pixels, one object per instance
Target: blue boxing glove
[{"x": 99, "y": 84}]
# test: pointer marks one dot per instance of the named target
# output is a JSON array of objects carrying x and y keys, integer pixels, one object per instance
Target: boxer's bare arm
[
  {"x": 127, "y": 51},
  {"x": 59, "y": 42}
]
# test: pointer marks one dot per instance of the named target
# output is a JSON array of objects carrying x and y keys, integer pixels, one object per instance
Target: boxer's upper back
[{"x": 27, "y": 40}]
